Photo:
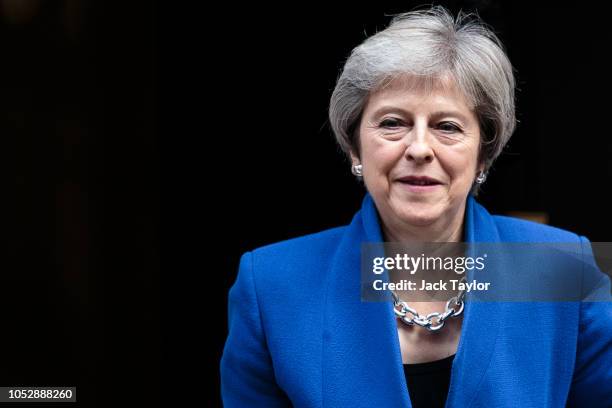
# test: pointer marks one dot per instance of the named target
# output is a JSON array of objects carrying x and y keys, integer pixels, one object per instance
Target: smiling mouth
[{"x": 420, "y": 183}]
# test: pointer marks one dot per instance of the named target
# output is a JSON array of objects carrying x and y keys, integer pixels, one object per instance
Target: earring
[
  {"x": 357, "y": 170},
  {"x": 482, "y": 176}
]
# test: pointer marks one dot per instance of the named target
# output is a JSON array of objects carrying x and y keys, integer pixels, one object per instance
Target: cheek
[
  {"x": 460, "y": 164},
  {"x": 381, "y": 155}
]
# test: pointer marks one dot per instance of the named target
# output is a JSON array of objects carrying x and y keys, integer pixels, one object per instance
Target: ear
[
  {"x": 481, "y": 167},
  {"x": 354, "y": 158}
]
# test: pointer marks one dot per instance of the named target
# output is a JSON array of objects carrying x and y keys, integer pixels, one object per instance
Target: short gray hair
[{"x": 429, "y": 44}]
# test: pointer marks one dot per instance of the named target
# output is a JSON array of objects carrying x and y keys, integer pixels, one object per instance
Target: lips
[{"x": 419, "y": 181}]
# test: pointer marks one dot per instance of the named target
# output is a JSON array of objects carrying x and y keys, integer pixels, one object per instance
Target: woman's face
[{"x": 419, "y": 152}]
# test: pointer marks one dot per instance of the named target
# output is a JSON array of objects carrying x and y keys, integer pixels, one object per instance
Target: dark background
[
  {"x": 93, "y": 92},
  {"x": 79, "y": 283}
]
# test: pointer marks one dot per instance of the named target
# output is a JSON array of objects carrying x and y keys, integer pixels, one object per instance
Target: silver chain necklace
[{"x": 433, "y": 321}]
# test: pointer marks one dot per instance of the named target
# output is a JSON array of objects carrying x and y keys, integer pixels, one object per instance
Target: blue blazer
[{"x": 300, "y": 336}]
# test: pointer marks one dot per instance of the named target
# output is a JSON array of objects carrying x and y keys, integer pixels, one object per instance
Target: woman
[{"x": 422, "y": 109}]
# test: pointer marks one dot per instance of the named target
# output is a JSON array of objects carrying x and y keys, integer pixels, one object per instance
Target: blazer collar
[{"x": 361, "y": 358}]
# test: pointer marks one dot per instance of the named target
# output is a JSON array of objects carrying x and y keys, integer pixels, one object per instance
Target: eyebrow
[{"x": 438, "y": 114}]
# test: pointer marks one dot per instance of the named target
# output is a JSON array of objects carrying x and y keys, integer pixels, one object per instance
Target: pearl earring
[{"x": 357, "y": 170}]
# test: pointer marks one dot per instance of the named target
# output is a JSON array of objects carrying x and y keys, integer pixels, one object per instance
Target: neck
[{"x": 445, "y": 229}]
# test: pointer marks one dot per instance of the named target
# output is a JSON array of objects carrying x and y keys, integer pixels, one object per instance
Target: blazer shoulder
[
  {"x": 301, "y": 262},
  {"x": 516, "y": 229},
  {"x": 310, "y": 244}
]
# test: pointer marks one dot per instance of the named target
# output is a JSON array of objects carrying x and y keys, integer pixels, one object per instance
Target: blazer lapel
[
  {"x": 480, "y": 320},
  {"x": 361, "y": 361},
  {"x": 361, "y": 358}
]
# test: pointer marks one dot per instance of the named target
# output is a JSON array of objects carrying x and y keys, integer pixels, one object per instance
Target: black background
[
  {"x": 105, "y": 105},
  {"x": 79, "y": 283}
]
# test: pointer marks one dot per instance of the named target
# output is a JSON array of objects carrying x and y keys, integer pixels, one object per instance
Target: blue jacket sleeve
[
  {"x": 247, "y": 374},
  {"x": 592, "y": 380}
]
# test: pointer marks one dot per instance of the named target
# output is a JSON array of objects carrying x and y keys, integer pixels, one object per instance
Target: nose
[{"x": 418, "y": 148}]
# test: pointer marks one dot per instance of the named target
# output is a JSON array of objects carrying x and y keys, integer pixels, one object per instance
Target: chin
[
  {"x": 416, "y": 216},
  {"x": 419, "y": 220}
]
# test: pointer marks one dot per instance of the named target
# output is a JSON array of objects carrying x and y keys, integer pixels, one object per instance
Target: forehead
[{"x": 412, "y": 92}]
